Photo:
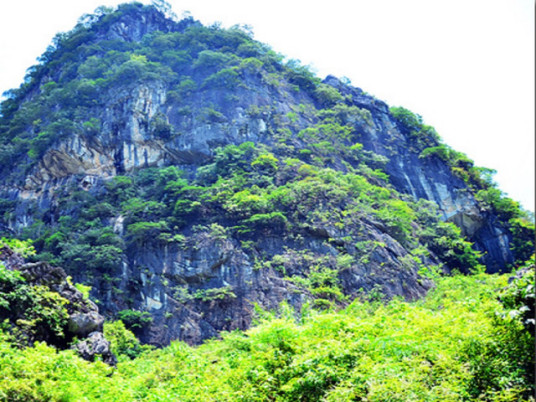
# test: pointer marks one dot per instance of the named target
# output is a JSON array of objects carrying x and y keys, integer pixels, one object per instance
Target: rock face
[
  {"x": 133, "y": 93},
  {"x": 431, "y": 179},
  {"x": 84, "y": 315},
  {"x": 228, "y": 281}
]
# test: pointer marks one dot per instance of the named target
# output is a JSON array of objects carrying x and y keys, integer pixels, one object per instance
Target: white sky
[{"x": 466, "y": 66}]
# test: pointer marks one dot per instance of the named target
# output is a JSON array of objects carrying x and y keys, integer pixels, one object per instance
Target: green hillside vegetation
[
  {"x": 460, "y": 343},
  {"x": 237, "y": 196}
]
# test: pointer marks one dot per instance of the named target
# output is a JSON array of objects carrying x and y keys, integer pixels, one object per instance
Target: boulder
[{"x": 95, "y": 345}]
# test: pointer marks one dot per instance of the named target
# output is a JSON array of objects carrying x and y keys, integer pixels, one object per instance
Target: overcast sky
[{"x": 466, "y": 66}]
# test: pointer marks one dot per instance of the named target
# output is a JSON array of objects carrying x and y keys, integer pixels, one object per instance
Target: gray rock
[
  {"x": 81, "y": 324},
  {"x": 96, "y": 345}
]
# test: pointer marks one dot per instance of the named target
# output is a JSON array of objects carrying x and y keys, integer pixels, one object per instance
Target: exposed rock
[
  {"x": 431, "y": 179},
  {"x": 81, "y": 324},
  {"x": 96, "y": 345},
  {"x": 11, "y": 259},
  {"x": 83, "y": 315}
]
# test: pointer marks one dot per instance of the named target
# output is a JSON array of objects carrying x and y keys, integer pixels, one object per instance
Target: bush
[
  {"x": 122, "y": 341},
  {"x": 267, "y": 162},
  {"x": 273, "y": 220},
  {"x": 327, "y": 96},
  {"x": 146, "y": 232},
  {"x": 33, "y": 313},
  {"x": 454, "y": 345},
  {"x": 226, "y": 78},
  {"x": 134, "y": 319}
]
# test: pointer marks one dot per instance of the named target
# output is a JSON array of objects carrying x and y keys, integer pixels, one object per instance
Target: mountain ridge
[{"x": 188, "y": 172}]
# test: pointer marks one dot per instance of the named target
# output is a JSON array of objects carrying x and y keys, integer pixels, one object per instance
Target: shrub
[
  {"x": 327, "y": 96},
  {"x": 226, "y": 78},
  {"x": 266, "y": 161},
  {"x": 273, "y": 220},
  {"x": 134, "y": 319},
  {"x": 33, "y": 312},
  {"x": 211, "y": 59},
  {"x": 122, "y": 341},
  {"x": 146, "y": 232}
]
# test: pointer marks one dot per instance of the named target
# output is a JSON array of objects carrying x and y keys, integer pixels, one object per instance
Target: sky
[{"x": 465, "y": 66}]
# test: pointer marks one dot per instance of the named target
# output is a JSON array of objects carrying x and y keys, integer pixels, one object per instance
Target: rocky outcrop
[
  {"x": 84, "y": 315},
  {"x": 95, "y": 345},
  {"x": 84, "y": 320},
  {"x": 429, "y": 178},
  {"x": 210, "y": 284},
  {"x": 126, "y": 142}
]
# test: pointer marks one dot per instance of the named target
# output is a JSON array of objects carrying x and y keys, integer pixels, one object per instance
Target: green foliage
[
  {"x": 160, "y": 127},
  {"x": 518, "y": 298},
  {"x": 505, "y": 207},
  {"x": 137, "y": 68},
  {"x": 210, "y": 115},
  {"x": 124, "y": 344},
  {"x": 442, "y": 151},
  {"x": 274, "y": 221},
  {"x": 93, "y": 250},
  {"x": 22, "y": 247},
  {"x": 420, "y": 135},
  {"x": 226, "y": 78},
  {"x": 522, "y": 230},
  {"x": 322, "y": 282},
  {"x": 251, "y": 65},
  {"x": 211, "y": 59},
  {"x": 146, "y": 231},
  {"x": 345, "y": 114},
  {"x": 84, "y": 289},
  {"x": 33, "y": 312},
  {"x": 134, "y": 319},
  {"x": 327, "y": 95},
  {"x": 223, "y": 293},
  {"x": 119, "y": 188},
  {"x": 313, "y": 176},
  {"x": 405, "y": 117},
  {"x": 451, "y": 346},
  {"x": 398, "y": 216},
  {"x": 445, "y": 239},
  {"x": 301, "y": 76},
  {"x": 266, "y": 162}
]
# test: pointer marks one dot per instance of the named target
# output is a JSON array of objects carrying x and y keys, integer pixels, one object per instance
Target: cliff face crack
[
  {"x": 119, "y": 161},
  {"x": 220, "y": 262}
]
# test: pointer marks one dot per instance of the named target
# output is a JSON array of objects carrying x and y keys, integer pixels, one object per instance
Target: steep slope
[
  {"x": 187, "y": 172},
  {"x": 460, "y": 343}
]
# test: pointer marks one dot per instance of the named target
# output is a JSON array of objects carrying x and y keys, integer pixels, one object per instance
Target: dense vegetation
[
  {"x": 460, "y": 343},
  {"x": 79, "y": 72}
]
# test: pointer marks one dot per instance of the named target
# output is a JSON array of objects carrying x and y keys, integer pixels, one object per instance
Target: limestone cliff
[{"x": 188, "y": 172}]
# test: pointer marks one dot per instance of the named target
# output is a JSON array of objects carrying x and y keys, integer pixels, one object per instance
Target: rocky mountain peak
[
  {"x": 186, "y": 173},
  {"x": 131, "y": 22}
]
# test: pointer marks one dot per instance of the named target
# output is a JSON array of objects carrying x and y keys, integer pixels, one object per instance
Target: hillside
[
  {"x": 188, "y": 174},
  {"x": 459, "y": 343}
]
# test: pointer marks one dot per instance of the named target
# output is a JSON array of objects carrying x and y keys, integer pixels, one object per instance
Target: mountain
[{"x": 188, "y": 174}]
